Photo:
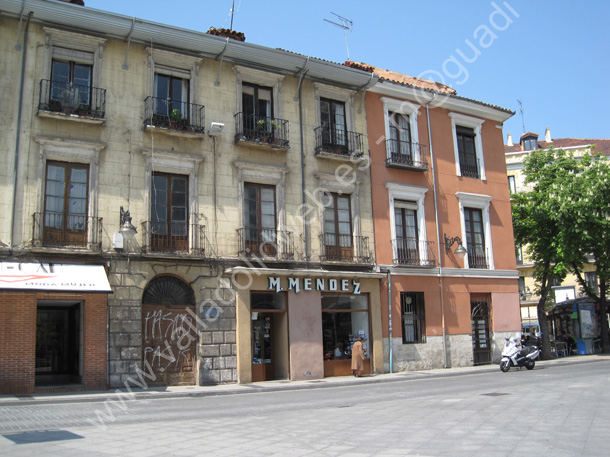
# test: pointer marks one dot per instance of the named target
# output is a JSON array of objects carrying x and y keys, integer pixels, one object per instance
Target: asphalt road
[{"x": 554, "y": 410}]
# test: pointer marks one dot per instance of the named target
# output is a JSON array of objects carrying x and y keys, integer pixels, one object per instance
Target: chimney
[
  {"x": 547, "y": 135},
  {"x": 509, "y": 139}
]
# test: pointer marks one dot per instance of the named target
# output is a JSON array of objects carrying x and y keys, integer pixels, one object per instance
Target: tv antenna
[
  {"x": 521, "y": 111},
  {"x": 346, "y": 25}
]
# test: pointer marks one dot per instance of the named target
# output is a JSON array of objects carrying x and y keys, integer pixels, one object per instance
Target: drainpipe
[
  {"x": 304, "y": 200},
  {"x": 387, "y": 270},
  {"x": 438, "y": 235},
  {"x": 18, "y": 135}
]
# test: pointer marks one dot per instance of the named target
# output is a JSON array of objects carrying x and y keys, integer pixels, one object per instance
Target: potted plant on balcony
[
  {"x": 83, "y": 109},
  {"x": 174, "y": 118},
  {"x": 262, "y": 131}
]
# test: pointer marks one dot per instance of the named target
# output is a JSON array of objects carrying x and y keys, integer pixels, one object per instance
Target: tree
[
  {"x": 582, "y": 206},
  {"x": 537, "y": 226}
]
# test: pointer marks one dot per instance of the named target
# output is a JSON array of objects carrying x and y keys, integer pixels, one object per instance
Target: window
[
  {"x": 413, "y": 317},
  {"x": 476, "y": 229},
  {"x": 338, "y": 233},
  {"x": 257, "y": 106},
  {"x": 171, "y": 96},
  {"x": 169, "y": 212},
  {"x": 71, "y": 83},
  {"x": 530, "y": 144},
  {"x": 467, "y": 152},
  {"x": 512, "y": 187},
  {"x": 519, "y": 254},
  {"x": 334, "y": 130},
  {"x": 468, "y": 147},
  {"x": 475, "y": 238},
  {"x": 591, "y": 280},
  {"x": 65, "y": 209},
  {"x": 400, "y": 134},
  {"x": 407, "y": 238},
  {"x": 260, "y": 234},
  {"x": 344, "y": 319},
  {"x": 522, "y": 286}
]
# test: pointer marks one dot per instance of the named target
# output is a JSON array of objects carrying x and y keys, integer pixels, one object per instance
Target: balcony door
[
  {"x": 171, "y": 96},
  {"x": 66, "y": 200},
  {"x": 338, "y": 239},
  {"x": 260, "y": 233},
  {"x": 334, "y": 128},
  {"x": 400, "y": 139},
  {"x": 169, "y": 214},
  {"x": 475, "y": 238},
  {"x": 405, "y": 216},
  {"x": 257, "y": 106}
]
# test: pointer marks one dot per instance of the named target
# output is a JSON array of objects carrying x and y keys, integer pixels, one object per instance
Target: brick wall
[{"x": 18, "y": 339}]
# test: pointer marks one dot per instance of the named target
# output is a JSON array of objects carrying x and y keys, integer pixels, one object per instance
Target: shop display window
[{"x": 344, "y": 319}]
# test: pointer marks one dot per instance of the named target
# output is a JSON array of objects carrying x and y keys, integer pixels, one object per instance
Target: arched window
[{"x": 168, "y": 291}]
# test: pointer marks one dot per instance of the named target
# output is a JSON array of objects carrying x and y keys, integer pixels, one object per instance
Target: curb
[{"x": 270, "y": 386}]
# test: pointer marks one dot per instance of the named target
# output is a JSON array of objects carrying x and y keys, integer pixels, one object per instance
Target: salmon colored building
[{"x": 443, "y": 229}]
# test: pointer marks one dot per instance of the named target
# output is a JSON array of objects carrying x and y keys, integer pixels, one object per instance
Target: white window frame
[
  {"x": 260, "y": 78},
  {"x": 475, "y": 124},
  {"x": 482, "y": 202},
  {"x": 69, "y": 151},
  {"x": 337, "y": 94},
  {"x": 512, "y": 184},
  {"x": 416, "y": 194},
  {"x": 391, "y": 105},
  {"x": 264, "y": 174}
]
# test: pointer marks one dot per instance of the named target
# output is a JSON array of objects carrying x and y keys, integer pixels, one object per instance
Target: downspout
[
  {"x": 18, "y": 135},
  {"x": 302, "y": 144},
  {"x": 438, "y": 235},
  {"x": 390, "y": 320}
]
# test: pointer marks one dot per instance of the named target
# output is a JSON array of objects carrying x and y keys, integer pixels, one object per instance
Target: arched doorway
[
  {"x": 169, "y": 331},
  {"x": 481, "y": 339}
]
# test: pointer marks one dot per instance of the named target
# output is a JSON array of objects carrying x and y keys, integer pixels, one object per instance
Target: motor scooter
[{"x": 514, "y": 355}]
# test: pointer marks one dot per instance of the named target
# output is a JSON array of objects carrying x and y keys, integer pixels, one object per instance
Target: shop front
[
  {"x": 303, "y": 325},
  {"x": 53, "y": 324}
]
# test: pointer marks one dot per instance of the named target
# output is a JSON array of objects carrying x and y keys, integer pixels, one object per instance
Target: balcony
[
  {"x": 175, "y": 238},
  {"x": 174, "y": 118},
  {"x": 338, "y": 144},
  {"x": 60, "y": 230},
  {"x": 477, "y": 258},
  {"x": 405, "y": 155},
  {"x": 412, "y": 252},
  {"x": 260, "y": 131},
  {"x": 469, "y": 167},
  {"x": 265, "y": 243},
  {"x": 345, "y": 248},
  {"x": 72, "y": 102}
]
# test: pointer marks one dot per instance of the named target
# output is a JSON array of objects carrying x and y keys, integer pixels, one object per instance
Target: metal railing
[
  {"x": 403, "y": 154},
  {"x": 55, "y": 229},
  {"x": 477, "y": 258},
  {"x": 175, "y": 238},
  {"x": 469, "y": 167},
  {"x": 338, "y": 142},
  {"x": 345, "y": 248},
  {"x": 265, "y": 243},
  {"x": 413, "y": 252},
  {"x": 174, "y": 115},
  {"x": 68, "y": 98},
  {"x": 261, "y": 130}
]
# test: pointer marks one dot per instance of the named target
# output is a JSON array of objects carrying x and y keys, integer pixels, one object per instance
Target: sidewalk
[{"x": 272, "y": 386}]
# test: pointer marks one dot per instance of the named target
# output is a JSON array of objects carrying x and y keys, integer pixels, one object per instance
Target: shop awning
[{"x": 59, "y": 277}]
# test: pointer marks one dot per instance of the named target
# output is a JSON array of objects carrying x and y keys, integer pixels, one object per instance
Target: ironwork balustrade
[
  {"x": 403, "y": 154},
  {"x": 175, "y": 238},
  {"x": 345, "y": 248},
  {"x": 261, "y": 130},
  {"x": 174, "y": 115},
  {"x": 469, "y": 167},
  {"x": 69, "y": 98},
  {"x": 413, "y": 252},
  {"x": 477, "y": 258},
  {"x": 338, "y": 142},
  {"x": 265, "y": 243},
  {"x": 58, "y": 229}
]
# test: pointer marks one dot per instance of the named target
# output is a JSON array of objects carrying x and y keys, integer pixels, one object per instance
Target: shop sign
[
  {"x": 56, "y": 277},
  {"x": 322, "y": 284}
]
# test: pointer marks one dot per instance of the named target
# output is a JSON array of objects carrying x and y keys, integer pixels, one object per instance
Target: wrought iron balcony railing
[
  {"x": 175, "y": 238},
  {"x": 477, "y": 258},
  {"x": 413, "y": 252},
  {"x": 176, "y": 116},
  {"x": 68, "y": 98},
  {"x": 265, "y": 243},
  {"x": 61, "y": 230},
  {"x": 261, "y": 130},
  {"x": 338, "y": 142},
  {"x": 402, "y": 154},
  {"x": 469, "y": 167},
  {"x": 345, "y": 248}
]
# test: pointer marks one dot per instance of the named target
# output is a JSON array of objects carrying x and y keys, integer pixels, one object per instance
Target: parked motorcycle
[{"x": 514, "y": 355}]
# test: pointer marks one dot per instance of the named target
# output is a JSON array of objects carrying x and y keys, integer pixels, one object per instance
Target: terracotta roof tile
[{"x": 602, "y": 146}]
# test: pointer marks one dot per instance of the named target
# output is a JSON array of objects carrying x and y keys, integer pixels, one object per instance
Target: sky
[{"x": 551, "y": 55}]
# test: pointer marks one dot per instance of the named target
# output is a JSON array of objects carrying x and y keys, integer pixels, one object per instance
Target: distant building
[{"x": 515, "y": 153}]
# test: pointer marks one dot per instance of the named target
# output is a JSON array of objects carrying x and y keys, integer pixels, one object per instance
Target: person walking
[{"x": 358, "y": 357}]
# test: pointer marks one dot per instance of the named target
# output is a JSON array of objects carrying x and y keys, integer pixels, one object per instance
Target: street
[{"x": 555, "y": 410}]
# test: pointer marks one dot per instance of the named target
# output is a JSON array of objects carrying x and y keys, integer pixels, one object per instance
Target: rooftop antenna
[
  {"x": 521, "y": 111},
  {"x": 346, "y": 25},
  {"x": 232, "y": 13}
]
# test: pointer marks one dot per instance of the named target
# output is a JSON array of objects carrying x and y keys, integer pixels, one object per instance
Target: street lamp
[{"x": 460, "y": 251}]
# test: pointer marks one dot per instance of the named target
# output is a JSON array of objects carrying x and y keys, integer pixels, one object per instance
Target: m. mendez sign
[{"x": 323, "y": 284}]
